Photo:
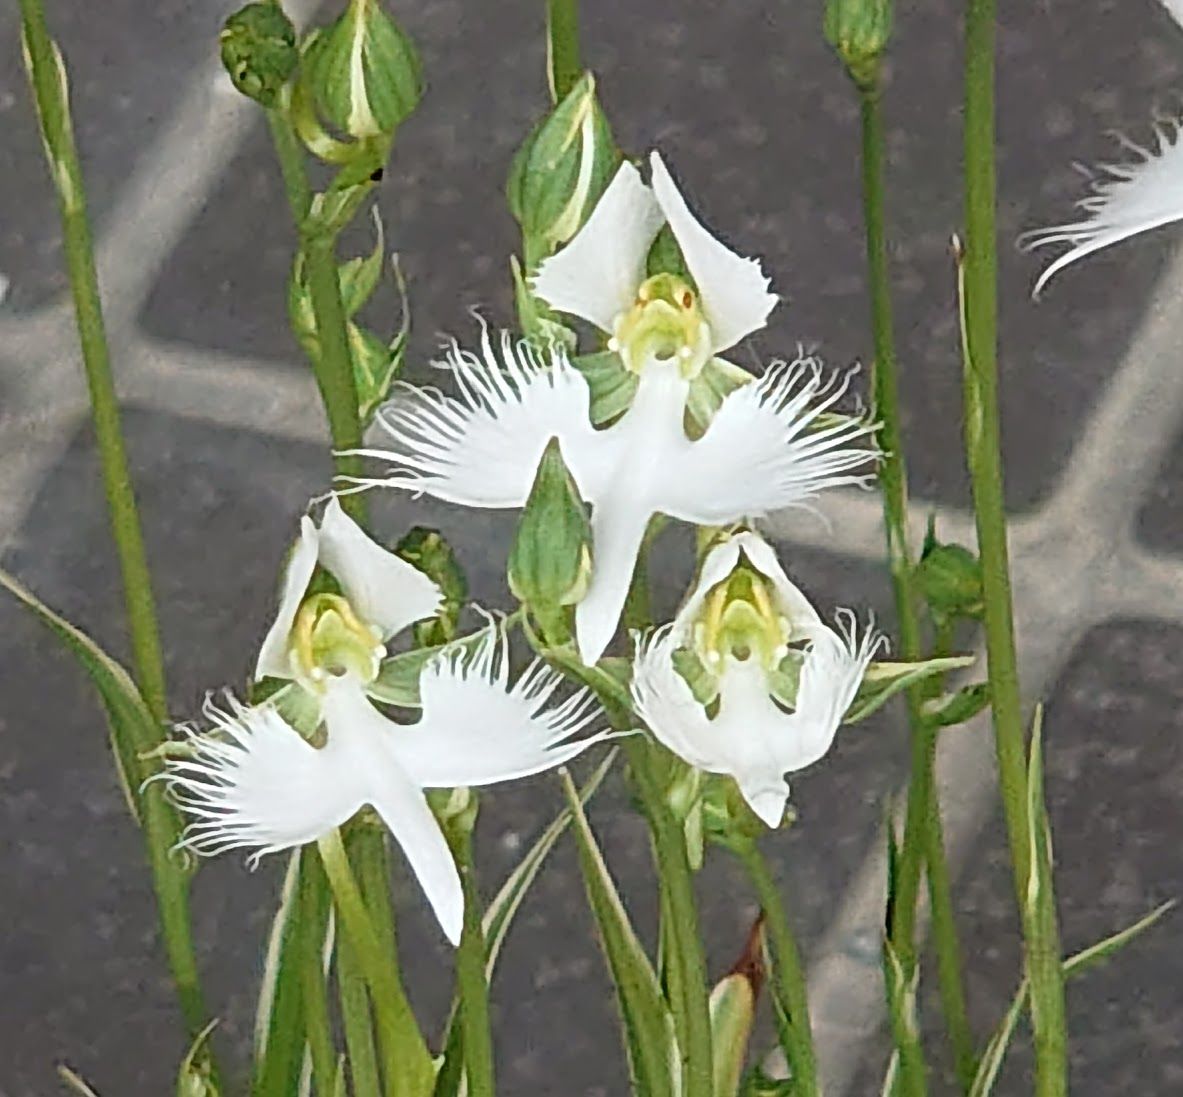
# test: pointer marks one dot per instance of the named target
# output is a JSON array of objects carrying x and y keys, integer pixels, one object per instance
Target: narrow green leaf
[
  {"x": 645, "y": 1016},
  {"x": 499, "y": 916},
  {"x": 884, "y": 680},
  {"x": 957, "y": 707},
  {"x": 359, "y": 276}
]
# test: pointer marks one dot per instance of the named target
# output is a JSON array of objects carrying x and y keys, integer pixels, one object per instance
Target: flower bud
[
  {"x": 560, "y": 172},
  {"x": 364, "y": 73},
  {"x": 950, "y": 579},
  {"x": 550, "y": 562},
  {"x": 859, "y": 30},
  {"x": 733, "y": 1012},
  {"x": 427, "y": 550},
  {"x": 259, "y": 51}
]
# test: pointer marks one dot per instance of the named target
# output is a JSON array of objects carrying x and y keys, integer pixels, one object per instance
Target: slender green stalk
[
  {"x": 983, "y": 451},
  {"x": 47, "y": 77},
  {"x": 470, "y": 975},
  {"x": 787, "y": 975},
  {"x": 290, "y": 154},
  {"x": 563, "y": 66},
  {"x": 923, "y": 834},
  {"x": 691, "y": 1000},
  {"x": 357, "y": 1023},
  {"x": 405, "y": 1058},
  {"x": 317, "y": 1027}
]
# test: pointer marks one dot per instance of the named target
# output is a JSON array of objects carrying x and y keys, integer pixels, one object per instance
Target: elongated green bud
[
  {"x": 560, "y": 172},
  {"x": 859, "y": 31},
  {"x": 550, "y": 562},
  {"x": 733, "y": 1012},
  {"x": 259, "y": 51},
  {"x": 364, "y": 73}
]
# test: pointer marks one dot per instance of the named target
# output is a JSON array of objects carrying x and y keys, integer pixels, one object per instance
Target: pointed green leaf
[
  {"x": 612, "y": 386},
  {"x": 359, "y": 276},
  {"x": 498, "y": 918},
  {"x": 644, "y": 1013},
  {"x": 884, "y": 680},
  {"x": 957, "y": 707}
]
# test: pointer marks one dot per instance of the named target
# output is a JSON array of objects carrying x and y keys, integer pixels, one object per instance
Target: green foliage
[
  {"x": 259, "y": 51},
  {"x": 427, "y": 550}
]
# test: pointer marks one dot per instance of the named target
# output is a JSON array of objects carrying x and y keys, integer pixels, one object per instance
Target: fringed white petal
[
  {"x": 482, "y": 448},
  {"x": 733, "y": 289},
  {"x": 477, "y": 729},
  {"x": 620, "y": 515},
  {"x": 760, "y": 454},
  {"x": 1175, "y": 7},
  {"x": 1128, "y": 199},
  {"x": 382, "y": 588},
  {"x": 830, "y": 677},
  {"x": 254, "y": 783},
  {"x": 596, "y": 276},
  {"x": 398, "y": 799},
  {"x": 665, "y": 702},
  {"x": 273, "y": 655}
]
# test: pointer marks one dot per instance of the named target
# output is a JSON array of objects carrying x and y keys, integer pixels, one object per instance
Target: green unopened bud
[
  {"x": 364, "y": 72},
  {"x": 550, "y": 562},
  {"x": 455, "y": 808},
  {"x": 194, "y": 1079},
  {"x": 560, "y": 172},
  {"x": 859, "y": 30},
  {"x": 259, "y": 51},
  {"x": 733, "y": 1012},
  {"x": 427, "y": 550},
  {"x": 950, "y": 579}
]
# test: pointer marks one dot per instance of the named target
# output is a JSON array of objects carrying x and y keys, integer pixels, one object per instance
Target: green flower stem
[
  {"x": 317, "y": 1027},
  {"x": 406, "y": 1061},
  {"x": 983, "y": 452},
  {"x": 787, "y": 976},
  {"x": 47, "y": 77},
  {"x": 290, "y": 154},
  {"x": 470, "y": 975},
  {"x": 357, "y": 1023},
  {"x": 563, "y": 66},
  {"x": 691, "y": 1004}
]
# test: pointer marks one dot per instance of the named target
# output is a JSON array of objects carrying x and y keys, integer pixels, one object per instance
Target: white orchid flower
[
  {"x": 257, "y": 784},
  {"x": 1128, "y": 198},
  {"x": 737, "y": 630},
  {"x": 600, "y": 276},
  {"x": 762, "y": 451}
]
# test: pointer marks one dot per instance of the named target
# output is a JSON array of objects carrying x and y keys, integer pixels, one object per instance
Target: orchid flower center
[
  {"x": 740, "y": 622},
  {"x": 664, "y": 324},
  {"x": 329, "y": 640}
]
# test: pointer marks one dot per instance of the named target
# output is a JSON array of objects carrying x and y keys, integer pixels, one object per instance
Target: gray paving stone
[
  {"x": 768, "y": 152},
  {"x": 1160, "y": 523},
  {"x": 129, "y": 65},
  {"x": 1114, "y": 775}
]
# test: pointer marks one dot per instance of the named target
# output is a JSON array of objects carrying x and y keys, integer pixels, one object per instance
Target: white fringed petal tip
[
  {"x": 255, "y": 783},
  {"x": 1128, "y": 199}
]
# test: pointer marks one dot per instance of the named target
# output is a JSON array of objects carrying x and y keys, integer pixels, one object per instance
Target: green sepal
[
  {"x": 427, "y": 550},
  {"x": 299, "y": 708},
  {"x": 612, "y": 387},
  {"x": 561, "y": 171},
  {"x": 695, "y": 673},
  {"x": 259, "y": 51},
  {"x": 884, "y": 680},
  {"x": 364, "y": 42},
  {"x": 665, "y": 257},
  {"x": 359, "y": 276}
]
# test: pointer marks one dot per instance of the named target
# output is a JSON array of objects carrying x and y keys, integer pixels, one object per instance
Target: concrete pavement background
[{"x": 226, "y": 438}]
